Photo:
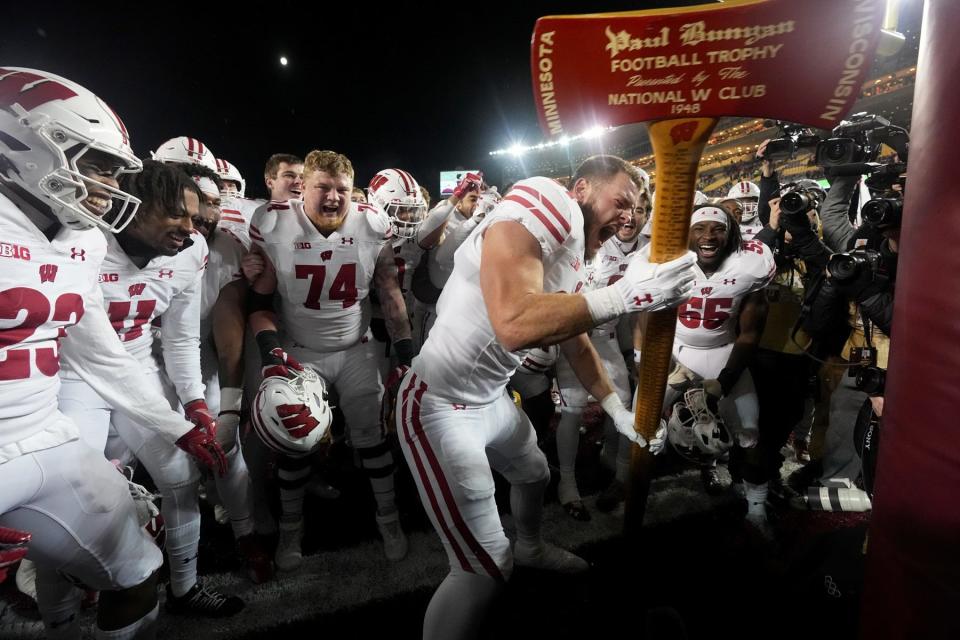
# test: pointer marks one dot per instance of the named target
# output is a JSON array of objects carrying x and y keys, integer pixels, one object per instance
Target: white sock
[
  {"x": 234, "y": 491},
  {"x": 183, "y": 544},
  {"x": 459, "y": 606},
  {"x": 143, "y": 629},
  {"x": 567, "y": 490},
  {"x": 526, "y": 503}
]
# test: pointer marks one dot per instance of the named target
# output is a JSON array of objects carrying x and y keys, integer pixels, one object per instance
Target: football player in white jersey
[
  {"x": 397, "y": 193},
  {"x": 232, "y": 490},
  {"x": 153, "y": 271},
  {"x": 606, "y": 268},
  {"x": 510, "y": 290},
  {"x": 459, "y": 214},
  {"x": 746, "y": 194},
  {"x": 719, "y": 328},
  {"x": 61, "y": 151},
  {"x": 323, "y": 254}
]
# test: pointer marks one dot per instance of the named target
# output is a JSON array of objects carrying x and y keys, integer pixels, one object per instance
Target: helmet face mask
[
  {"x": 398, "y": 194},
  {"x": 45, "y": 141},
  {"x": 748, "y": 194},
  {"x": 696, "y": 431},
  {"x": 406, "y": 219},
  {"x": 230, "y": 174}
]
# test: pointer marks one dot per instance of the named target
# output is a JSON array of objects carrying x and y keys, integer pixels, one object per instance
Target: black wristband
[
  {"x": 267, "y": 341},
  {"x": 404, "y": 350}
]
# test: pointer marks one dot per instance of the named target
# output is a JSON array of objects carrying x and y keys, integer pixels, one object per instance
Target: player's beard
[{"x": 329, "y": 225}]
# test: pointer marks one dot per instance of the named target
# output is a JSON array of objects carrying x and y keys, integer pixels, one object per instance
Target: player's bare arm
[
  {"x": 511, "y": 279},
  {"x": 586, "y": 363},
  {"x": 391, "y": 298}
]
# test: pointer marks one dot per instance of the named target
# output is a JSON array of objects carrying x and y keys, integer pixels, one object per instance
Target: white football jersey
[
  {"x": 709, "y": 318},
  {"x": 441, "y": 258},
  {"x": 48, "y": 292},
  {"x": 323, "y": 282},
  {"x": 750, "y": 229},
  {"x": 168, "y": 287},
  {"x": 462, "y": 361},
  {"x": 223, "y": 267},
  {"x": 43, "y": 286},
  {"x": 236, "y": 214}
]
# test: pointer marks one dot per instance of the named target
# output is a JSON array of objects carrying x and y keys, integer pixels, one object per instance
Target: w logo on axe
[
  {"x": 683, "y": 132},
  {"x": 297, "y": 419}
]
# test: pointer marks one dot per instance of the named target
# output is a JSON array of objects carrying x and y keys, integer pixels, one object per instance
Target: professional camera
[
  {"x": 798, "y": 198},
  {"x": 846, "y": 267},
  {"x": 791, "y": 138},
  {"x": 871, "y": 380},
  {"x": 883, "y": 212},
  {"x": 858, "y": 140}
]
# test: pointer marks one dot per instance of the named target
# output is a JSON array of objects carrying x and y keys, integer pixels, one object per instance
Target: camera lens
[
  {"x": 837, "y": 150},
  {"x": 792, "y": 203},
  {"x": 843, "y": 267},
  {"x": 871, "y": 380},
  {"x": 885, "y": 212}
]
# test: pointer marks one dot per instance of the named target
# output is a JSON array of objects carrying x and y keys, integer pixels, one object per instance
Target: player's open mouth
[
  {"x": 330, "y": 209},
  {"x": 97, "y": 203},
  {"x": 177, "y": 240},
  {"x": 707, "y": 250},
  {"x": 296, "y": 193}
]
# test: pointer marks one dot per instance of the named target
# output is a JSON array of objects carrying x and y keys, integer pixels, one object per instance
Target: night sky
[{"x": 386, "y": 85}]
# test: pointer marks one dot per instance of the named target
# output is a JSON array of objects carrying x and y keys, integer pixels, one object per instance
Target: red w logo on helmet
[
  {"x": 297, "y": 419},
  {"x": 30, "y": 90},
  {"x": 378, "y": 181}
]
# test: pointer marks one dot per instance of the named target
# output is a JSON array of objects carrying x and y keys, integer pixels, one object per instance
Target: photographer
[{"x": 861, "y": 273}]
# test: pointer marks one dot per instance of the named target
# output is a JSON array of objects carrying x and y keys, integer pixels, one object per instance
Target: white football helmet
[
  {"x": 47, "y": 123},
  {"x": 227, "y": 171},
  {"x": 695, "y": 431},
  {"x": 186, "y": 150},
  {"x": 396, "y": 192},
  {"x": 748, "y": 194},
  {"x": 292, "y": 415}
]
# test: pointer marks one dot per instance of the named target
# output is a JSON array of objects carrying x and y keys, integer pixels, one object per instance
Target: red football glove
[
  {"x": 13, "y": 547},
  {"x": 281, "y": 366},
  {"x": 204, "y": 448},
  {"x": 199, "y": 414},
  {"x": 470, "y": 182}
]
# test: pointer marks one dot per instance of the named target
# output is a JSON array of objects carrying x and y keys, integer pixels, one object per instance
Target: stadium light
[{"x": 517, "y": 150}]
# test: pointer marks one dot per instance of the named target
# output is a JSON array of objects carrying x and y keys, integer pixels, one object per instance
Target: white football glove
[
  {"x": 623, "y": 420},
  {"x": 645, "y": 286}
]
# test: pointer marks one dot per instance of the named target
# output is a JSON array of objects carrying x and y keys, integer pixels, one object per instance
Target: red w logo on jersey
[
  {"x": 137, "y": 289},
  {"x": 326, "y": 255},
  {"x": 706, "y": 291},
  {"x": 297, "y": 419},
  {"x": 683, "y": 132},
  {"x": 48, "y": 273}
]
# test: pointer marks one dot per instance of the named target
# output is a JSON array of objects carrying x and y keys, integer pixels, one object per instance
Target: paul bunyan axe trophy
[{"x": 680, "y": 70}]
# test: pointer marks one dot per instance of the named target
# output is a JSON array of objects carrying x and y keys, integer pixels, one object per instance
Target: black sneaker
[{"x": 203, "y": 601}]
